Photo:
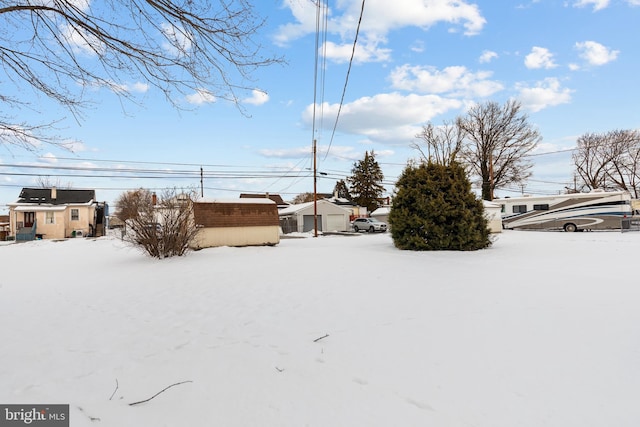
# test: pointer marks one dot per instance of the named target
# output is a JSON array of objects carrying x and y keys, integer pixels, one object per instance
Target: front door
[{"x": 29, "y": 219}]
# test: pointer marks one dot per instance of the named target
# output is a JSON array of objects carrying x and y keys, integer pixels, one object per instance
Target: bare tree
[
  {"x": 161, "y": 226},
  {"x": 498, "y": 140},
  {"x": 302, "y": 198},
  {"x": 48, "y": 182},
  {"x": 609, "y": 161},
  {"x": 442, "y": 143},
  {"x": 60, "y": 49}
]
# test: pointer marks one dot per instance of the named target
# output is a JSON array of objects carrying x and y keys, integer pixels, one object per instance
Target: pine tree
[
  {"x": 341, "y": 190},
  {"x": 435, "y": 209},
  {"x": 366, "y": 182}
]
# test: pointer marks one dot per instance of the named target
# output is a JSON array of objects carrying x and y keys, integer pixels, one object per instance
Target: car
[{"x": 368, "y": 224}]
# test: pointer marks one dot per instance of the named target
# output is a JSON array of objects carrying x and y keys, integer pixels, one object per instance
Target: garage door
[
  {"x": 335, "y": 222},
  {"x": 308, "y": 223}
]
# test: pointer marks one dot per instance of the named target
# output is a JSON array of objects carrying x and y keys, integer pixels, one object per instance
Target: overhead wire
[{"x": 346, "y": 82}]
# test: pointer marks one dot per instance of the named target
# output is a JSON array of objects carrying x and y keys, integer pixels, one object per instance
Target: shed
[
  {"x": 235, "y": 222},
  {"x": 300, "y": 218},
  {"x": 493, "y": 213}
]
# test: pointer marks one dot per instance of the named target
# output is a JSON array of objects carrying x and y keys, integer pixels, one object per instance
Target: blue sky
[{"x": 572, "y": 64}]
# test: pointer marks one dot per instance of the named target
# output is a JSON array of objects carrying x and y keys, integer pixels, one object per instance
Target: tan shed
[
  {"x": 493, "y": 213},
  {"x": 235, "y": 222}
]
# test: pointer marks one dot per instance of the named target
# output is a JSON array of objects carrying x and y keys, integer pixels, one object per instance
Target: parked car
[{"x": 368, "y": 224}]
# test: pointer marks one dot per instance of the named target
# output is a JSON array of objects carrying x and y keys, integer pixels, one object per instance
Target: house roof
[
  {"x": 256, "y": 201},
  {"x": 275, "y": 197},
  {"x": 62, "y": 196},
  {"x": 291, "y": 209}
]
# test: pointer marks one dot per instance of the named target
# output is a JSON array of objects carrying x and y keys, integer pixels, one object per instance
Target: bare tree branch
[
  {"x": 443, "y": 143},
  {"x": 62, "y": 48},
  {"x": 498, "y": 140}
]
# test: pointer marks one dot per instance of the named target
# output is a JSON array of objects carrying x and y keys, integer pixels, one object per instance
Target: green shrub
[{"x": 435, "y": 209}]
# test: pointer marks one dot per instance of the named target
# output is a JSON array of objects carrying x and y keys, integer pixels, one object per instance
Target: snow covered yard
[{"x": 542, "y": 329}]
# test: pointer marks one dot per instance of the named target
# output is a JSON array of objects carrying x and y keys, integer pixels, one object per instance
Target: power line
[{"x": 344, "y": 89}]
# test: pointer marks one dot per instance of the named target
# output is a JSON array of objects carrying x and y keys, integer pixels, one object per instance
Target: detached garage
[
  {"x": 235, "y": 222},
  {"x": 299, "y": 218}
]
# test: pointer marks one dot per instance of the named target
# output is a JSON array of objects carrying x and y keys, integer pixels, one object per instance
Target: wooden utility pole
[
  {"x": 201, "y": 182},
  {"x": 315, "y": 192}
]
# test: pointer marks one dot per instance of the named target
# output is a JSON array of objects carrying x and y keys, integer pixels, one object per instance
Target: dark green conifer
[{"x": 435, "y": 209}]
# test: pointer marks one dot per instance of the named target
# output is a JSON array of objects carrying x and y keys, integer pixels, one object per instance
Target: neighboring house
[
  {"x": 4, "y": 227},
  {"x": 300, "y": 218},
  {"x": 276, "y": 198},
  {"x": 235, "y": 222},
  {"x": 51, "y": 213},
  {"x": 382, "y": 214}
]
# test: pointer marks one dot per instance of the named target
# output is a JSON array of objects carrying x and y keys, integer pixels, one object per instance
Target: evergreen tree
[
  {"x": 435, "y": 209},
  {"x": 366, "y": 182},
  {"x": 341, "y": 190}
]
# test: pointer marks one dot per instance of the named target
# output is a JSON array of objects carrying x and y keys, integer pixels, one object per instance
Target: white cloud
[
  {"x": 258, "y": 97},
  {"x": 597, "y": 4},
  {"x": 389, "y": 117},
  {"x": 81, "y": 42},
  {"x": 139, "y": 87},
  {"x": 49, "y": 158},
  {"x": 339, "y": 152},
  {"x": 304, "y": 14},
  {"x": 595, "y": 53},
  {"x": 365, "y": 52},
  {"x": 177, "y": 40},
  {"x": 74, "y": 146},
  {"x": 200, "y": 97},
  {"x": 487, "y": 56},
  {"x": 545, "y": 93},
  {"x": 379, "y": 19},
  {"x": 287, "y": 153},
  {"x": 418, "y": 46},
  {"x": 454, "y": 80},
  {"x": 539, "y": 57}
]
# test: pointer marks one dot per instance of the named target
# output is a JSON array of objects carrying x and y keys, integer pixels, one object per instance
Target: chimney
[{"x": 54, "y": 193}]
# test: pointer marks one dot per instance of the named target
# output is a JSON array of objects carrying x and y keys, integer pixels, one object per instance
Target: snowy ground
[{"x": 542, "y": 329}]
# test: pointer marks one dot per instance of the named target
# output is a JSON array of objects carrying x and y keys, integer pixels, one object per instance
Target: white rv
[{"x": 597, "y": 210}]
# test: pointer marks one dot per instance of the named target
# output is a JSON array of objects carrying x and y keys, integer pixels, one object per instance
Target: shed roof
[{"x": 275, "y": 197}]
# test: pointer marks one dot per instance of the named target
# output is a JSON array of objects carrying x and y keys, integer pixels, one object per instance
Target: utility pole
[
  {"x": 491, "y": 175},
  {"x": 201, "y": 182},
  {"x": 315, "y": 192}
]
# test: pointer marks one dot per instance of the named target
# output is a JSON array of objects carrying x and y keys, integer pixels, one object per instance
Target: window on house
[
  {"x": 75, "y": 215},
  {"x": 49, "y": 218},
  {"x": 519, "y": 208},
  {"x": 544, "y": 207}
]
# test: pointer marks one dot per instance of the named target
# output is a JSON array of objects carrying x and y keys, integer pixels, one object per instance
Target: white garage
[{"x": 300, "y": 218}]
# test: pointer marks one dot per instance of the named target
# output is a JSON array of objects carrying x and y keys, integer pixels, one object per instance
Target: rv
[{"x": 597, "y": 210}]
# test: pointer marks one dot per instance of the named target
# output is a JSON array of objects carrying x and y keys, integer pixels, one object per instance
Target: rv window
[
  {"x": 519, "y": 208},
  {"x": 544, "y": 207}
]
